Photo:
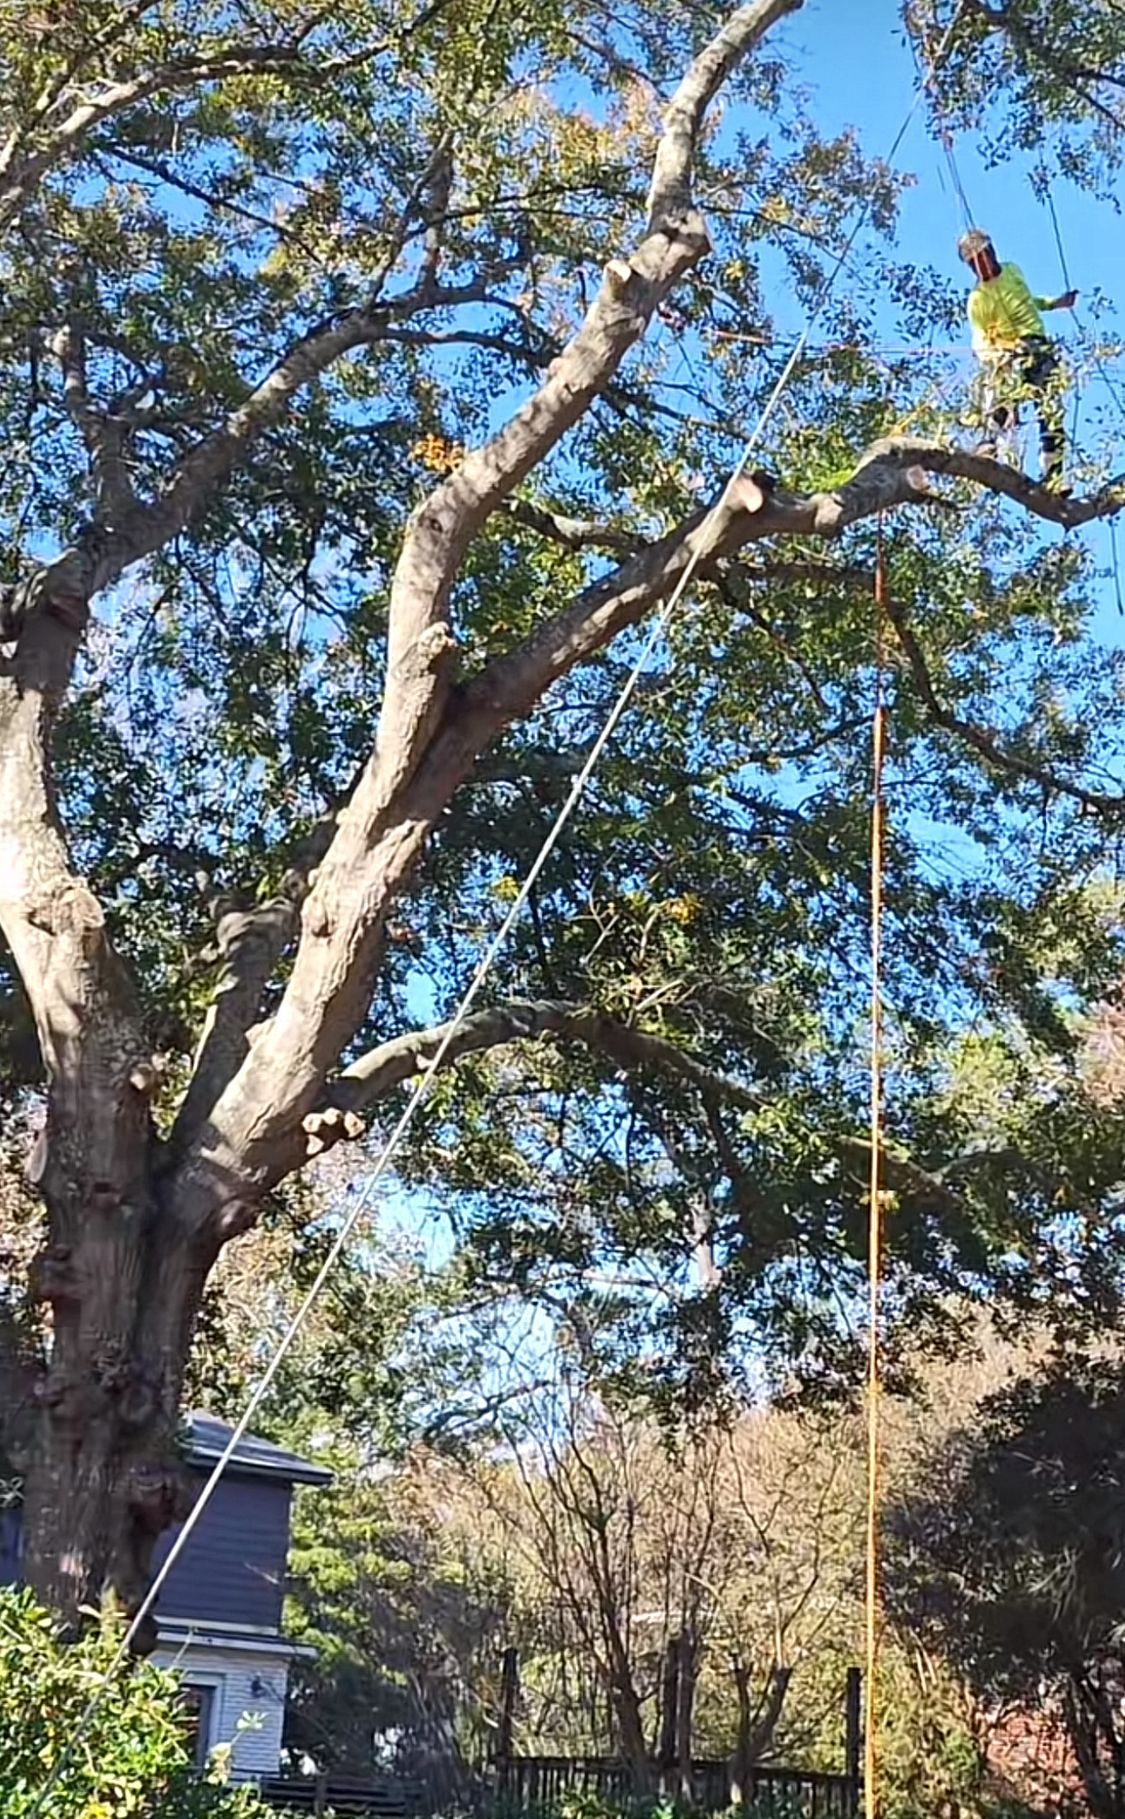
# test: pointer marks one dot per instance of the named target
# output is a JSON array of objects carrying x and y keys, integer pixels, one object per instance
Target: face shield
[{"x": 977, "y": 251}]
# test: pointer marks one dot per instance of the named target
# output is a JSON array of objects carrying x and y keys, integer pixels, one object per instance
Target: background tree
[
  {"x": 336, "y": 374},
  {"x": 1008, "y": 1558}
]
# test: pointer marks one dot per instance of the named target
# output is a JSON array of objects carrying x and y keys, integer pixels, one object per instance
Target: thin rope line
[
  {"x": 951, "y": 160},
  {"x": 874, "y": 1212},
  {"x": 1084, "y": 333},
  {"x": 422, "y": 1091},
  {"x": 944, "y": 134},
  {"x": 1042, "y": 191}
]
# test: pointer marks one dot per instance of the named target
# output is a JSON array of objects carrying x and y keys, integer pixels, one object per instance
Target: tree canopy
[{"x": 367, "y": 376}]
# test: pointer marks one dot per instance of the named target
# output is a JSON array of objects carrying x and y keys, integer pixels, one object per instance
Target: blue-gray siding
[
  {"x": 10, "y": 1550},
  {"x": 232, "y": 1570}
]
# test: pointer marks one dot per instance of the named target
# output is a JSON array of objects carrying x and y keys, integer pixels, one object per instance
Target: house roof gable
[{"x": 208, "y": 1437}]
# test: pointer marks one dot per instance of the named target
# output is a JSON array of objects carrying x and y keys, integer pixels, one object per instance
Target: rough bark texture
[{"x": 134, "y": 1225}]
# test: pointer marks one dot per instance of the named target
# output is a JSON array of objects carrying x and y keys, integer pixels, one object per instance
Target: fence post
[
  {"x": 853, "y": 1730},
  {"x": 320, "y": 1792},
  {"x": 509, "y": 1692}
]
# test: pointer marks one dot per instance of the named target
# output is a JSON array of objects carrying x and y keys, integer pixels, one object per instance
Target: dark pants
[{"x": 1036, "y": 369}]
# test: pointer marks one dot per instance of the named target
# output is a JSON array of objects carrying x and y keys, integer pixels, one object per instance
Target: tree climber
[{"x": 1017, "y": 357}]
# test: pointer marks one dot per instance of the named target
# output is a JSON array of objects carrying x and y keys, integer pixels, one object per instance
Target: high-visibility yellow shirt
[{"x": 1003, "y": 312}]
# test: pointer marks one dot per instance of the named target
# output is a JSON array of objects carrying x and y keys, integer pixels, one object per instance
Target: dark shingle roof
[{"x": 209, "y": 1437}]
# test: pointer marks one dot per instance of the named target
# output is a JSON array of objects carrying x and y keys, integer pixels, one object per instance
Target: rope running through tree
[{"x": 874, "y": 1215}]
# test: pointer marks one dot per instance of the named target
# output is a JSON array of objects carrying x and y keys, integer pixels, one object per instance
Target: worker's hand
[{"x": 1067, "y": 300}]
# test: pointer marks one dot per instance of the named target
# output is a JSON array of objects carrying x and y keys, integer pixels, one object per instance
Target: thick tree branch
[
  {"x": 250, "y": 941},
  {"x": 377, "y": 1073},
  {"x": 63, "y": 588},
  {"x": 440, "y": 189},
  {"x": 100, "y": 1074},
  {"x": 441, "y": 531},
  {"x": 389, "y": 819},
  {"x": 21, "y": 170},
  {"x": 670, "y": 191},
  {"x": 372, "y": 857},
  {"x": 892, "y": 473},
  {"x": 103, "y": 437}
]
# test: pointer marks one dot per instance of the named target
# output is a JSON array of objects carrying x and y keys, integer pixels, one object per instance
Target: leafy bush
[{"x": 131, "y": 1763}]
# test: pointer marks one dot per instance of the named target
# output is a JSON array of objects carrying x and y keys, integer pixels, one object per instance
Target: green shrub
[{"x": 131, "y": 1763}]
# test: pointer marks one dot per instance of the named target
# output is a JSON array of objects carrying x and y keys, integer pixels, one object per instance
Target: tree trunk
[
  {"x": 102, "y": 1477},
  {"x": 1091, "y": 1724},
  {"x": 631, "y": 1739},
  {"x": 628, "y": 1723},
  {"x": 754, "y": 1737},
  {"x": 685, "y": 1712},
  {"x": 670, "y": 1683},
  {"x": 740, "y": 1760}
]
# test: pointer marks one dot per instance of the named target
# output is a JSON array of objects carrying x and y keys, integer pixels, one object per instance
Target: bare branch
[
  {"x": 990, "y": 746},
  {"x": 167, "y": 175},
  {"x": 571, "y": 533}
]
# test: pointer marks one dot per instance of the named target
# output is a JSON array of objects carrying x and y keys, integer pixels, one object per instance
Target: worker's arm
[{"x": 1066, "y": 301}]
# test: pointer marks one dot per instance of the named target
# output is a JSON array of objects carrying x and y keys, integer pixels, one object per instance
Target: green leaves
[
  {"x": 131, "y": 1760},
  {"x": 1041, "y": 76}
]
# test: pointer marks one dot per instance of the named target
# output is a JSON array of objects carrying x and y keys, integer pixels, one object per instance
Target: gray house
[{"x": 219, "y": 1614}]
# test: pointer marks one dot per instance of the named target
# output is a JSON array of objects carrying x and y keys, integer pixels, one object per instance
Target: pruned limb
[
  {"x": 377, "y": 1073},
  {"x": 892, "y": 473}
]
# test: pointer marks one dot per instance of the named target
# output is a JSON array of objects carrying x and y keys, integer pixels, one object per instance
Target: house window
[{"x": 199, "y": 1704}]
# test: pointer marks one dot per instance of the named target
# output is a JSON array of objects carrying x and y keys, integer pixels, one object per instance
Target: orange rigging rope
[{"x": 874, "y": 1220}]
